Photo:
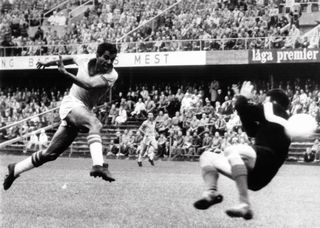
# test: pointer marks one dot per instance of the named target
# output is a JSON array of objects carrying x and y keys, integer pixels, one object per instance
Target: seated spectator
[
  {"x": 176, "y": 149},
  {"x": 124, "y": 144},
  {"x": 176, "y": 120},
  {"x": 194, "y": 124},
  {"x": 196, "y": 143},
  {"x": 165, "y": 125},
  {"x": 33, "y": 143},
  {"x": 227, "y": 108},
  {"x": 162, "y": 146},
  {"x": 163, "y": 103},
  {"x": 208, "y": 108},
  {"x": 43, "y": 140},
  {"x": 234, "y": 122},
  {"x": 187, "y": 144},
  {"x": 206, "y": 143},
  {"x": 150, "y": 105},
  {"x": 309, "y": 155},
  {"x": 203, "y": 123},
  {"x": 221, "y": 125},
  {"x": 216, "y": 142},
  {"x": 139, "y": 111},
  {"x": 122, "y": 116},
  {"x": 112, "y": 114},
  {"x": 159, "y": 119},
  {"x": 316, "y": 150},
  {"x": 137, "y": 138},
  {"x": 112, "y": 149}
]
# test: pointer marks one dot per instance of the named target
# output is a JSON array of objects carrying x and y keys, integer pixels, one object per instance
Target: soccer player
[
  {"x": 251, "y": 167},
  {"x": 149, "y": 143},
  {"x": 93, "y": 79}
]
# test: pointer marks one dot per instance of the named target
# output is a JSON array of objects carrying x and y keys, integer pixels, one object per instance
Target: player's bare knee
[
  {"x": 208, "y": 168},
  {"x": 228, "y": 151},
  {"x": 95, "y": 126},
  {"x": 235, "y": 159}
]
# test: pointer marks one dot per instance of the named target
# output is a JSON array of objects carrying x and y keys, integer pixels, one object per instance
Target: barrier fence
[{"x": 271, "y": 42}]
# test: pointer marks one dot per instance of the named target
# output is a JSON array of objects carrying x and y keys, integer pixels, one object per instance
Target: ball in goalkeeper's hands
[{"x": 301, "y": 126}]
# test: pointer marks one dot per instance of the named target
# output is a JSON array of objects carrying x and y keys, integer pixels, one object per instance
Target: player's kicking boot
[
  {"x": 9, "y": 178},
  {"x": 209, "y": 199},
  {"x": 102, "y": 171},
  {"x": 240, "y": 211}
]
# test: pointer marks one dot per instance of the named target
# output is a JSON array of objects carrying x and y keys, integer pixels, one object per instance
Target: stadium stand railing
[
  {"x": 160, "y": 46},
  {"x": 20, "y": 138}
]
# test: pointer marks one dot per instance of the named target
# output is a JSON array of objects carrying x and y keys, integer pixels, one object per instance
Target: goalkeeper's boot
[
  {"x": 243, "y": 211},
  {"x": 208, "y": 200}
]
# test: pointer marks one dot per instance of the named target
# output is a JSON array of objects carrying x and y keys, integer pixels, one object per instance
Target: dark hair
[
  {"x": 280, "y": 97},
  {"x": 106, "y": 47}
]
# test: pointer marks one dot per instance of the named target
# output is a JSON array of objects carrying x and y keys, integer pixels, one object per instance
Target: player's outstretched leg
[
  {"x": 211, "y": 164},
  {"x": 83, "y": 118},
  {"x": 61, "y": 140},
  {"x": 239, "y": 170},
  {"x": 10, "y": 177}
]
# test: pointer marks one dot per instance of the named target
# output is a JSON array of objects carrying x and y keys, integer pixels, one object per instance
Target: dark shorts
[{"x": 266, "y": 167}]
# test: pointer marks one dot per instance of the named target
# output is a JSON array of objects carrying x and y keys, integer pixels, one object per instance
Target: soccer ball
[{"x": 301, "y": 126}]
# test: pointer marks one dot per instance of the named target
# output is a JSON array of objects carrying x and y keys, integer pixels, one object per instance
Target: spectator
[
  {"x": 33, "y": 143},
  {"x": 139, "y": 111},
  {"x": 43, "y": 140},
  {"x": 196, "y": 143},
  {"x": 206, "y": 143},
  {"x": 112, "y": 114},
  {"x": 221, "y": 125},
  {"x": 162, "y": 146},
  {"x": 177, "y": 146},
  {"x": 315, "y": 149},
  {"x": 216, "y": 142},
  {"x": 122, "y": 116},
  {"x": 112, "y": 149},
  {"x": 309, "y": 155}
]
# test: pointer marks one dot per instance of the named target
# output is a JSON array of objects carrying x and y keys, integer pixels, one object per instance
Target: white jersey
[
  {"x": 149, "y": 128},
  {"x": 90, "y": 97}
]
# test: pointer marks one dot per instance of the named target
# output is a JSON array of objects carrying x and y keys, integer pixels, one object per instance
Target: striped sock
[{"x": 95, "y": 146}]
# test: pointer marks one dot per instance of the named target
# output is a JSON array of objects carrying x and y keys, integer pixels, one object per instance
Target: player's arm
[
  {"x": 66, "y": 61},
  {"x": 271, "y": 117},
  {"x": 250, "y": 115},
  {"x": 86, "y": 83}
]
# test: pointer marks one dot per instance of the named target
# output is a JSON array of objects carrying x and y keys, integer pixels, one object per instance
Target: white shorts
[
  {"x": 67, "y": 104},
  {"x": 150, "y": 141}
]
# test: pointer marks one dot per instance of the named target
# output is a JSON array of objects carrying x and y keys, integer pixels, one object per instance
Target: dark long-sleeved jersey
[{"x": 267, "y": 134}]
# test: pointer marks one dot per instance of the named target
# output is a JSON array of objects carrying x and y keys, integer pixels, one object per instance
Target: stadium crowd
[
  {"x": 17, "y": 104},
  {"x": 193, "y": 25},
  {"x": 189, "y": 117}
]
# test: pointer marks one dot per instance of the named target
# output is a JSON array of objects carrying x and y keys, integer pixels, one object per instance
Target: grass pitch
[{"x": 62, "y": 194}]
